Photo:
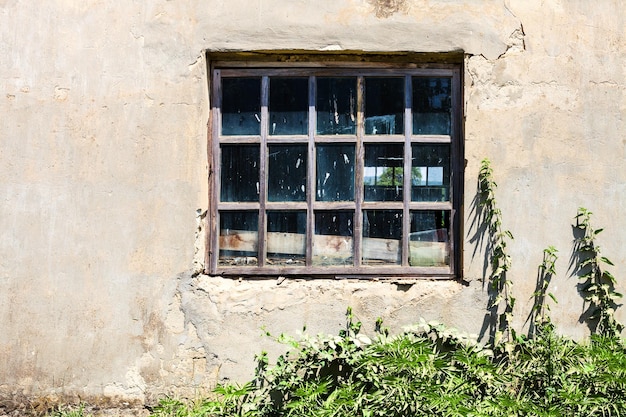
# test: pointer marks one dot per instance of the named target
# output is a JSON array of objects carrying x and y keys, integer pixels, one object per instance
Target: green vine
[
  {"x": 540, "y": 319},
  {"x": 502, "y": 299},
  {"x": 598, "y": 284}
]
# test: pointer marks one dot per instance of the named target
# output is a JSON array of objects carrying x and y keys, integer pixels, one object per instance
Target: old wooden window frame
[{"x": 312, "y": 70}]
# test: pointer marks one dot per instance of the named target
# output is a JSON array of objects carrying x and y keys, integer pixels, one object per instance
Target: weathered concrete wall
[{"x": 103, "y": 169}]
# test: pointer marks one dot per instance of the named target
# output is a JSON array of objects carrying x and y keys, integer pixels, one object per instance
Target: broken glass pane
[
  {"x": 238, "y": 241},
  {"x": 239, "y": 173},
  {"x": 382, "y": 235},
  {"x": 430, "y": 173},
  {"x": 335, "y": 173},
  {"x": 431, "y": 106},
  {"x": 286, "y": 238},
  {"x": 336, "y": 106},
  {"x": 383, "y": 175},
  {"x": 428, "y": 241},
  {"x": 287, "y": 173},
  {"x": 384, "y": 106},
  {"x": 332, "y": 241},
  {"x": 289, "y": 103},
  {"x": 241, "y": 106}
]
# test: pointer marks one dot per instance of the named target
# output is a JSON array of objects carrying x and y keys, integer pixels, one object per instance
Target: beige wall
[{"x": 103, "y": 169}]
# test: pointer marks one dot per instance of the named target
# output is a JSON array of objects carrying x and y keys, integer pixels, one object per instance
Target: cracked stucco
[{"x": 104, "y": 189}]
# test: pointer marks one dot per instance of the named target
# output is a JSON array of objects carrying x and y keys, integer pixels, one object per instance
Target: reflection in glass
[
  {"x": 288, "y": 106},
  {"x": 332, "y": 241},
  {"x": 382, "y": 234},
  {"x": 431, "y": 106},
  {"x": 384, "y": 106},
  {"x": 287, "y": 173},
  {"x": 286, "y": 238},
  {"x": 238, "y": 241},
  {"x": 241, "y": 106},
  {"x": 336, "y": 106},
  {"x": 239, "y": 180},
  {"x": 383, "y": 175},
  {"x": 430, "y": 173},
  {"x": 335, "y": 173},
  {"x": 428, "y": 241}
]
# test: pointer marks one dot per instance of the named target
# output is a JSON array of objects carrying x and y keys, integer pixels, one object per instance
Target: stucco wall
[{"x": 103, "y": 172}]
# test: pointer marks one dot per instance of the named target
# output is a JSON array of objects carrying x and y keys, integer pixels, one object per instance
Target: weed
[
  {"x": 598, "y": 284},
  {"x": 502, "y": 300}
]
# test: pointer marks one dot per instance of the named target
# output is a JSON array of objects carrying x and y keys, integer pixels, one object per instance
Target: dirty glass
[
  {"x": 383, "y": 174},
  {"x": 428, "y": 241},
  {"x": 431, "y": 106},
  {"x": 286, "y": 238},
  {"x": 241, "y": 106},
  {"x": 430, "y": 173},
  {"x": 384, "y": 106},
  {"x": 288, "y": 107},
  {"x": 335, "y": 173},
  {"x": 239, "y": 237},
  {"x": 382, "y": 236},
  {"x": 332, "y": 241},
  {"x": 287, "y": 173},
  {"x": 239, "y": 180},
  {"x": 336, "y": 106}
]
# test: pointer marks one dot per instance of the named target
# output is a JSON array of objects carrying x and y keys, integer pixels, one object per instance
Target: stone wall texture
[{"x": 103, "y": 177}]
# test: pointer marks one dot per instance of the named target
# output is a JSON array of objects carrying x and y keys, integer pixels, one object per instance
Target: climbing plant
[
  {"x": 501, "y": 297},
  {"x": 597, "y": 283}
]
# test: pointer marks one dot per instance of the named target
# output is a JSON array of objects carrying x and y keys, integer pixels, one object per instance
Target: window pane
[
  {"x": 238, "y": 242},
  {"x": 430, "y": 174},
  {"x": 289, "y": 105},
  {"x": 428, "y": 243},
  {"x": 287, "y": 173},
  {"x": 332, "y": 242},
  {"x": 241, "y": 106},
  {"x": 286, "y": 238},
  {"x": 382, "y": 235},
  {"x": 240, "y": 173},
  {"x": 431, "y": 106},
  {"x": 335, "y": 173},
  {"x": 384, "y": 106},
  {"x": 336, "y": 106},
  {"x": 383, "y": 175}
]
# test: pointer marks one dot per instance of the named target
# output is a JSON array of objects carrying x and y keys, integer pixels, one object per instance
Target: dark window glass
[
  {"x": 336, "y": 106},
  {"x": 239, "y": 237},
  {"x": 335, "y": 173},
  {"x": 240, "y": 173},
  {"x": 384, "y": 172},
  {"x": 287, "y": 173},
  {"x": 384, "y": 106},
  {"x": 382, "y": 234},
  {"x": 332, "y": 241},
  {"x": 431, "y": 106},
  {"x": 430, "y": 173},
  {"x": 428, "y": 242},
  {"x": 286, "y": 238},
  {"x": 289, "y": 106},
  {"x": 241, "y": 106}
]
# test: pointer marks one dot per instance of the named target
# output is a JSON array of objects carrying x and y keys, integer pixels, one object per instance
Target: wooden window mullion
[
  {"x": 310, "y": 194},
  {"x": 406, "y": 192},
  {"x": 263, "y": 165},
  {"x": 359, "y": 174}
]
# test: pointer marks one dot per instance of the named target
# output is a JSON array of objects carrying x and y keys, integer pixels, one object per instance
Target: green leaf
[{"x": 606, "y": 260}]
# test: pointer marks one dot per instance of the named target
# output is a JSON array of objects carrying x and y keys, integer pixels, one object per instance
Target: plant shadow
[{"x": 478, "y": 235}]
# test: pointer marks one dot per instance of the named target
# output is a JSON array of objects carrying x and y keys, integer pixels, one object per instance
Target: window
[{"x": 348, "y": 171}]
